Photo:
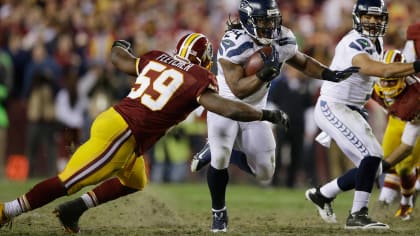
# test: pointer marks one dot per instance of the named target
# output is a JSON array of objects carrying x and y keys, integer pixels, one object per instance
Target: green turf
[{"x": 184, "y": 209}]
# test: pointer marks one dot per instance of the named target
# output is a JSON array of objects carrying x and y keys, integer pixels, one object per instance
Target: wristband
[
  {"x": 266, "y": 114},
  {"x": 416, "y": 66},
  {"x": 328, "y": 75},
  {"x": 385, "y": 166}
]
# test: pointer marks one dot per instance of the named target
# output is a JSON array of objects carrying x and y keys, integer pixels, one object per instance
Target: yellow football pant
[
  {"x": 392, "y": 139},
  {"x": 108, "y": 152}
]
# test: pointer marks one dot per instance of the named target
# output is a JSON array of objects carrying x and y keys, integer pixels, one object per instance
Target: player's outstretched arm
[
  {"x": 240, "y": 111},
  {"x": 315, "y": 69},
  {"x": 377, "y": 68},
  {"x": 122, "y": 57}
]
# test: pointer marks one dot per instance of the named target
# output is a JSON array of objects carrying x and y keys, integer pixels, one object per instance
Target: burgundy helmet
[{"x": 196, "y": 48}]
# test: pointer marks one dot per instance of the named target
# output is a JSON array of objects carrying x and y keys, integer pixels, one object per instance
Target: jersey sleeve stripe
[
  {"x": 239, "y": 50},
  {"x": 137, "y": 66},
  {"x": 288, "y": 40},
  {"x": 355, "y": 46}
]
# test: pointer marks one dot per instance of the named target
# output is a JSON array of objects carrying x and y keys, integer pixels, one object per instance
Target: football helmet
[
  {"x": 370, "y": 7},
  {"x": 387, "y": 90},
  {"x": 195, "y": 48},
  {"x": 261, "y": 19}
]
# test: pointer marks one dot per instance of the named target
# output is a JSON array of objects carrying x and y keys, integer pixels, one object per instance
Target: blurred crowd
[{"x": 56, "y": 76}]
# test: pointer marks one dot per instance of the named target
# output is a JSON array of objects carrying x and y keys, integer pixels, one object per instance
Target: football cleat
[
  {"x": 4, "y": 220},
  {"x": 404, "y": 212},
  {"x": 323, "y": 204},
  {"x": 69, "y": 213},
  {"x": 360, "y": 220},
  {"x": 220, "y": 221},
  {"x": 201, "y": 159}
]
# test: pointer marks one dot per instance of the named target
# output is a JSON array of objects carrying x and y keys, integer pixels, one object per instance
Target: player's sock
[
  {"x": 366, "y": 173},
  {"x": 408, "y": 188},
  {"x": 365, "y": 179},
  {"x": 330, "y": 189},
  {"x": 217, "y": 181},
  {"x": 348, "y": 180},
  {"x": 42, "y": 193},
  {"x": 106, "y": 191},
  {"x": 390, "y": 189}
]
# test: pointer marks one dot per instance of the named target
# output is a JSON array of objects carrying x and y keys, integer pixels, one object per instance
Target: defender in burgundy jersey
[{"x": 166, "y": 90}]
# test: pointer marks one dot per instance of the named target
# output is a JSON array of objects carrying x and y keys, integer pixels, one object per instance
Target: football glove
[
  {"x": 385, "y": 166},
  {"x": 276, "y": 117},
  {"x": 338, "y": 75},
  {"x": 125, "y": 45},
  {"x": 271, "y": 66}
]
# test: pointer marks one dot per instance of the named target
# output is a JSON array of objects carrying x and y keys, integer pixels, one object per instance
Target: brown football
[{"x": 255, "y": 61}]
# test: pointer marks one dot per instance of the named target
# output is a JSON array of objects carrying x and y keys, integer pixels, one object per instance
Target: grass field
[{"x": 184, "y": 209}]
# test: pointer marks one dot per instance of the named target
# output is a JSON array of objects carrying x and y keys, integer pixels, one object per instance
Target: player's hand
[
  {"x": 276, "y": 117},
  {"x": 271, "y": 66},
  {"x": 125, "y": 45},
  {"x": 339, "y": 75}
]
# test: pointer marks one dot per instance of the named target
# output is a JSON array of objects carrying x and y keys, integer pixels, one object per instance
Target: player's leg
[
  {"x": 258, "y": 143},
  {"x": 407, "y": 171},
  {"x": 131, "y": 179},
  {"x": 354, "y": 136},
  {"x": 391, "y": 140},
  {"x": 94, "y": 161},
  {"x": 222, "y": 133},
  {"x": 203, "y": 158},
  {"x": 390, "y": 188}
]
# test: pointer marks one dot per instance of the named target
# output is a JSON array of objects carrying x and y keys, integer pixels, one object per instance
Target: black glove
[
  {"x": 338, "y": 75},
  {"x": 125, "y": 45},
  {"x": 277, "y": 117},
  {"x": 271, "y": 66},
  {"x": 385, "y": 166}
]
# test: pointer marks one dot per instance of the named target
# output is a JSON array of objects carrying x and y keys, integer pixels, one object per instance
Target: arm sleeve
[{"x": 411, "y": 133}]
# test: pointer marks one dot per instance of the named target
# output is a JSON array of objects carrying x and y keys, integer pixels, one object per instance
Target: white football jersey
[
  {"x": 237, "y": 46},
  {"x": 357, "y": 89},
  {"x": 409, "y": 51}
]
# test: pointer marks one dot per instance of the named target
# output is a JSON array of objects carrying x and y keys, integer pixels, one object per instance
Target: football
[{"x": 255, "y": 61}]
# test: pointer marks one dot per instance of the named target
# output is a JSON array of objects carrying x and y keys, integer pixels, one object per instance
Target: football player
[
  {"x": 167, "y": 89},
  {"x": 338, "y": 113},
  {"x": 401, "y": 145},
  {"x": 260, "y": 25}
]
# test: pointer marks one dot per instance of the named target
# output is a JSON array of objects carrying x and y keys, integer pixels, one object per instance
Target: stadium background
[{"x": 65, "y": 45}]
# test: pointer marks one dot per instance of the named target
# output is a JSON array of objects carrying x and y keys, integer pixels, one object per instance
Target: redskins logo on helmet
[
  {"x": 391, "y": 87},
  {"x": 195, "y": 48}
]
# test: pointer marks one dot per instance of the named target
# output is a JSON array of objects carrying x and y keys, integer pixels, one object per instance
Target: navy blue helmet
[
  {"x": 370, "y": 7},
  {"x": 261, "y": 19}
]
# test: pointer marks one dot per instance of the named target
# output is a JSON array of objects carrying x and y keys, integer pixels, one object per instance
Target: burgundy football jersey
[
  {"x": 164, "y": 94},
  {"x": 406, "y": 105}
]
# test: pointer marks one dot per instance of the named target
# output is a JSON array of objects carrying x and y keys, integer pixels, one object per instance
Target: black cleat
[
  {"x": 323, "y": 204},
  {"x": 201, "y": 159},
  {"x": 360, "y": 220},
  {"x": 69, "y": 213},
  {"x": 220, "y": 221}
]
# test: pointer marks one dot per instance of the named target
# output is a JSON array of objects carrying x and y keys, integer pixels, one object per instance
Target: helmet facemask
[
  {"x": 370, "y": 8},
  {"x": 389, "y": 88},
  {"x": 371, "y": 30},
  {"x": 261, "y": 20}
]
